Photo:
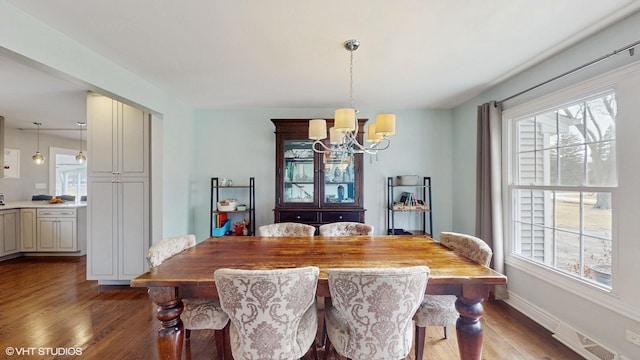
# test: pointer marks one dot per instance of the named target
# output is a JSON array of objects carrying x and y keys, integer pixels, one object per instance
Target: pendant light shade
[
  {"x": 38, "y": 158},
  {"x": 81, "y": 158}
]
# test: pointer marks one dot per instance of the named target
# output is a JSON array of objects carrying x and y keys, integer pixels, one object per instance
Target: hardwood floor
[{"x": 48, "y": 307}]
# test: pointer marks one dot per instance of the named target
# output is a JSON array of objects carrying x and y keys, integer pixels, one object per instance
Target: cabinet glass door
[
  {"x": 339, "y": 178},
  {"x": 298, "y": 171}
]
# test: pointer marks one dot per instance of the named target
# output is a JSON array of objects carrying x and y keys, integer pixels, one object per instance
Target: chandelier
[{"x": 343, "y": 136}]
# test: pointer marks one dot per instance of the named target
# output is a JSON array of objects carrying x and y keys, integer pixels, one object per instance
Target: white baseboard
[{"x": 588, "y": 348}]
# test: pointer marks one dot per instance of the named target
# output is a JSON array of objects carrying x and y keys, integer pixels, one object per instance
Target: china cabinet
[{"x": 315, "y": 188}]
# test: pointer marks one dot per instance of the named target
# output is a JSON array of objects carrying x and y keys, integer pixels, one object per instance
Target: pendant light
[
  {"x": 80, "y": 158},
  {"x": 38, "y": 158}
]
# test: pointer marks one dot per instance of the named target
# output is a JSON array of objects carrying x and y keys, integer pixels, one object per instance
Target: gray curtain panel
[{"x": 489, "y": 186}]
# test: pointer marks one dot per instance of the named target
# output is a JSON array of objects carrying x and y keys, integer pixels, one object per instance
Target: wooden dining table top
[{"x": 194, "y": 267}]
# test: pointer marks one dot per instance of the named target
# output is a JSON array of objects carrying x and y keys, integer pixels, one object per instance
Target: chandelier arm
[{"x": 323, "y": 149}]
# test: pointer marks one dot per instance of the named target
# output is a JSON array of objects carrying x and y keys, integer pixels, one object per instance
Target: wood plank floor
[{"x": 49, "y": 307}]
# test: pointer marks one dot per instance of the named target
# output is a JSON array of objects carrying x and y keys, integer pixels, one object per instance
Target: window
[
  {"x": 66, "y": 176},
  {"x": 562, "y": 165}
]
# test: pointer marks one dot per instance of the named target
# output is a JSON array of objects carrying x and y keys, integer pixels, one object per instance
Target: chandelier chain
[{"x": 351, "y": 79}]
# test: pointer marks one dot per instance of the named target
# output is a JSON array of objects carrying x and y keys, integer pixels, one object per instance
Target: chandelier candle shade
[
  {"x": 343, "y": 135},
  {"x": 38, "y": 158}
]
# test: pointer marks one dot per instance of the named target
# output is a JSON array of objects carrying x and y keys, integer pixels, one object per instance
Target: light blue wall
[
  {"x": 237, "y": 144},
  {"x": 601, "y": 317}
]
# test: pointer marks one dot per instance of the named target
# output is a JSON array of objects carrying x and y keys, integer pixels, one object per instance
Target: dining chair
[
  {"x": 286, "y": 229},
  {"x": 440, "y": 310},
  {"x": 345, "y": 228},
  {"x": 273, "y": 312},
  {"x": 197, "y": 313},
  {"x": 369, "y": 314}
]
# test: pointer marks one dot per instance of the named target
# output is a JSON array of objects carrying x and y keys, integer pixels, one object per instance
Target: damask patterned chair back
[
  {"x": 198, "y": 313},
  {"x": 469, "y": 246},
  {"x": 345, "y": 228},
  {"x": 168, "y": 247},
  {"x": 440, "y": 310},
  {"x": 369, "y": 314},
  {"x": 273, "y": 312},
  {"x": 286, "y": 229}
]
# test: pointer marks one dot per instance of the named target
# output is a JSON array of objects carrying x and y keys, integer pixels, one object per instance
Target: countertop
[{"x": 41, "y": 204}]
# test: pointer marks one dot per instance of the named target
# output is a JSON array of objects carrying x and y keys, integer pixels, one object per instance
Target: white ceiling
[{"x": 289, "y": 53}]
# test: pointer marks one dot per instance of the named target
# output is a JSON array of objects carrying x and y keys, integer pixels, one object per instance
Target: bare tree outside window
[{"x": 565, "y": 170}]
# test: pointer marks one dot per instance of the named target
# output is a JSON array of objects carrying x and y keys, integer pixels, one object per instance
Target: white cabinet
[
  {"x": 56, "y": 230},
  {"x": 118, "y": 138},
  {"x": 9, "y": 232},
  {"x": 28, "y": 234},
  {"x": 118, "y": 219}
]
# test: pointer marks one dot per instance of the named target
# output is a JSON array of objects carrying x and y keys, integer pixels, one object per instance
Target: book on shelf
[{"x": 219, "y": 219}]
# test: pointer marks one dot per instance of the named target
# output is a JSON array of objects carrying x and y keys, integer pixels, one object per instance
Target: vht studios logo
[{"x": 43, "y": 351}]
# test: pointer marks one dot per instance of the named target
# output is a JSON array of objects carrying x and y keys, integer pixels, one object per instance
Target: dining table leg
[
  {"x": 468, "y": 327},
  {"x": 171, "y": 331}
]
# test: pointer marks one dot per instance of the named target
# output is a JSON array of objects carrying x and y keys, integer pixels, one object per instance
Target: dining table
[{"x": 189, "y": 274}]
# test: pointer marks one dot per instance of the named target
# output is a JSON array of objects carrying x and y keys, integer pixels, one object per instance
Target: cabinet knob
[
  {"x": 340, "y": 217},
  {"x": 298, "y": 217}
]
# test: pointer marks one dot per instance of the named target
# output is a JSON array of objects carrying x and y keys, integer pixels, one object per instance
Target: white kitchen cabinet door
[
  {"x": 28, "y": 230},
  {"x": 133, "y": 242},
  {"x": 118, "y": 138},
  {"x": 102, "y": 230},
  {"x": 67, "y": 235},
  {"x": 118, "y": 229},
  {"x": 10, "y": 232},
  {"x": 46, "y": 231}
]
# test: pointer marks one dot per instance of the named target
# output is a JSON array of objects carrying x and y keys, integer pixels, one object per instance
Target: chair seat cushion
[
  {"x": 437, "y": 310},
  {"x": 199, "y": 314}
]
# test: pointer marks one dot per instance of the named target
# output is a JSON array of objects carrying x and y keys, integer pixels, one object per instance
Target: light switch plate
[{"x": 41, "y": 186}]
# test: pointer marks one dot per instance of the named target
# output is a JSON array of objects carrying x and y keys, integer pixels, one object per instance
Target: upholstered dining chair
[
  {"x": 286, "y": 229},
  {"x": 440, "y": 310},
  {"x": 345, "y": 228},
  {"x": 273, "y": 312},
  {"x": 197, "y": 313},
  {"x": 368, "y": 315}
]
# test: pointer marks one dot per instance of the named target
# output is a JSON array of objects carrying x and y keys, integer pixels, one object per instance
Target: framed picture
[{"x": 11, "y": 163}]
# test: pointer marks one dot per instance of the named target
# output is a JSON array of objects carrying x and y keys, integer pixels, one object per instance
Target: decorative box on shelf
[{"x": 222, "y": 231}]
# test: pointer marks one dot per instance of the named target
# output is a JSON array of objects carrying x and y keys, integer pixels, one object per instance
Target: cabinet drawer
[
  {"x": 335, "y": 216},
  {"x": 298, "y": 216},
  {"x": 56, "y": 213}
]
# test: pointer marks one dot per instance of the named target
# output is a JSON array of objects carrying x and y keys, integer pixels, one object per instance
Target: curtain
[{"x": 489, "y": 186}]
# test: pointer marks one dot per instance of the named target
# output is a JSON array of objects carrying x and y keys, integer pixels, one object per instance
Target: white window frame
[{"x": 600, "y": 84}]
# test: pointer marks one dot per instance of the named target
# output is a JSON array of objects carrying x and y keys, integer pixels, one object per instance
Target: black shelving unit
[
  {"x": 217, "y": 188},
  {"x": 411, "y": 207}
]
